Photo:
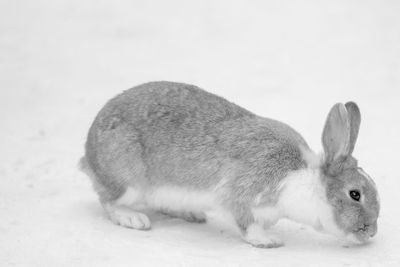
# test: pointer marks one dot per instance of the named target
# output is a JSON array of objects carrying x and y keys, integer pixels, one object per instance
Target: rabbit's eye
[{"x": 354, "y": 194}]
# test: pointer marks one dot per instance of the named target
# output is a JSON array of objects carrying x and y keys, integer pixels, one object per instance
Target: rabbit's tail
[
  {"x": 105, "y": 188},
  {"x": 83, "y": 165}
]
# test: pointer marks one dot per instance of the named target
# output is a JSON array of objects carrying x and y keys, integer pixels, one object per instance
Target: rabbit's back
[
  {"x": 165, "y": 133},
  {"x": 176, "y": 105}
]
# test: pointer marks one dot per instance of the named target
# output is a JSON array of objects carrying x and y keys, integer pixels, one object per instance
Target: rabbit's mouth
[{"x": 364, "y": 233}]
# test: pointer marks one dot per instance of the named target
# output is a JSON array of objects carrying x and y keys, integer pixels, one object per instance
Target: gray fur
[
  {"x": 336, "y": 136},
  {"x": 165, "y": 133},
  {"x": 342, "y": 174},
  {"x": 355, "y": 120}
]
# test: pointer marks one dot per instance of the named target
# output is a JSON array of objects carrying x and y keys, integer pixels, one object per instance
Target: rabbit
[{"x": 175, "y": 148}]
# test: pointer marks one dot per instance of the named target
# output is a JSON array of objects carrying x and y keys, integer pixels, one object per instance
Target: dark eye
[{"x": 354, "y": 194}]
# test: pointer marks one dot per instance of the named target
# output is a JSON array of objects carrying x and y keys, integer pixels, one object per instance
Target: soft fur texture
[{"x": 175, "y": 148}]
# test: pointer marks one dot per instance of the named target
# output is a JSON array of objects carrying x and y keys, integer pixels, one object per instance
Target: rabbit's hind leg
[
  {"x": 127, "y": 217},
  {"x": 124, "y": 211}
]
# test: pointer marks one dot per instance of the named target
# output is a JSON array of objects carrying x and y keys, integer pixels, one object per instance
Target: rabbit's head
[{"x": 350, "y": 191}]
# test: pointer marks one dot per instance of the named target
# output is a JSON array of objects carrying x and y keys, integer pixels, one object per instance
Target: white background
[{"x": 289, "y": 60}]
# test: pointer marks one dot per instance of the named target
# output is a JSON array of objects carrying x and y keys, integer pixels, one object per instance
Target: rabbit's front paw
[{"x": 258, "y": 237}]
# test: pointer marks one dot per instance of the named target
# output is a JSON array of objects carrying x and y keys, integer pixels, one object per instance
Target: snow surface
[{"x": 290, "y": 60}]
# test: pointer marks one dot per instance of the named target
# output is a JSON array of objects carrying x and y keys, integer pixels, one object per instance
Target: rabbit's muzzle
[{"x": 366, "y": 231}]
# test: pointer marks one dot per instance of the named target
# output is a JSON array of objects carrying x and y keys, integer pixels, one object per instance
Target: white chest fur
[{"x": 303, "y": 199}]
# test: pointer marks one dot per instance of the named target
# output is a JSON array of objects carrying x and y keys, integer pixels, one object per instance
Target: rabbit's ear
[
  {"x": 354, "y": 116},
  {"x": 336, "y": 134}
]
